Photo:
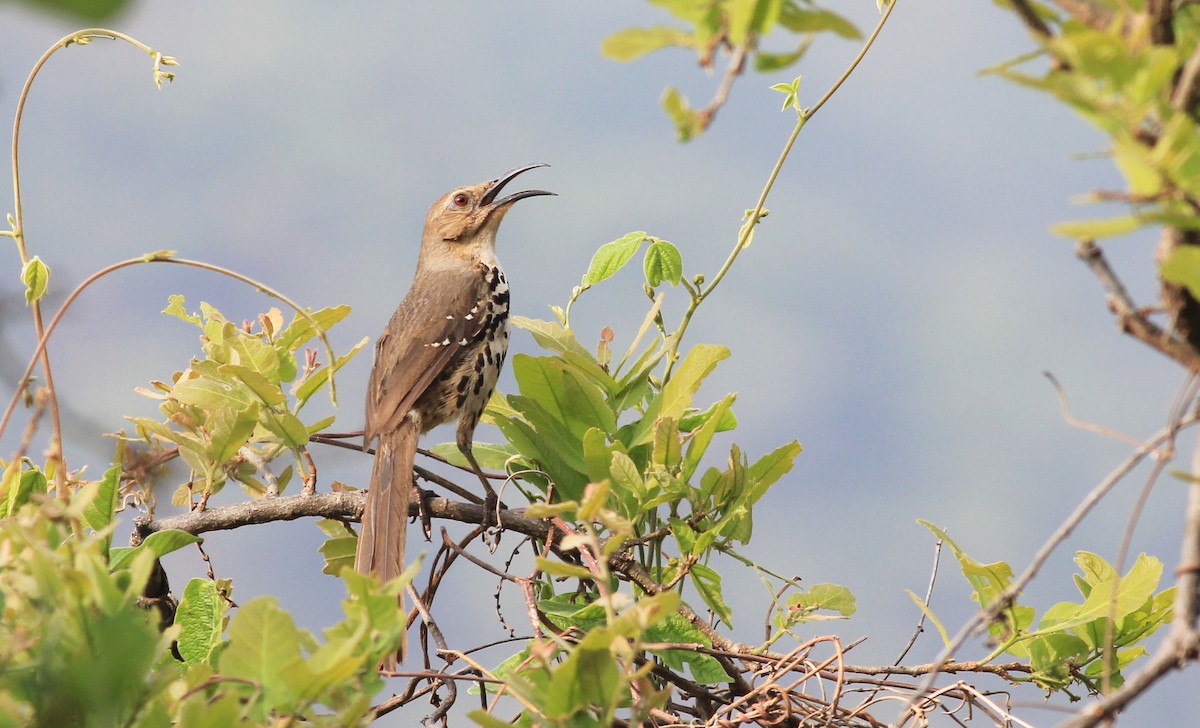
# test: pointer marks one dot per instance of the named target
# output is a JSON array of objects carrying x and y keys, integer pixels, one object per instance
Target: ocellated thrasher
[{"x": 437, "y": 360}]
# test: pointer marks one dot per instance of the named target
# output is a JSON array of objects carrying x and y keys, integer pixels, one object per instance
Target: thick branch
[{"x": 343, "y": 506}]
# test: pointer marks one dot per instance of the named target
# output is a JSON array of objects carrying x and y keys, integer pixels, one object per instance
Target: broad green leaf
[
  {"x": 1053, "y": 657},
  {"x": 264, "y": 388},
  {"x": 555, "y": 435},
  {"x": 750, "y": 18},
  {"x": 708, "y": 583},
  {"x": 490, "y": 456},
  {"x": 627, "y": 482},
  {"x": 663, "y": 263},
  {"x": 21, "y": 486},
  {"x": 667, "y": 446},
  {"x": 286, "y": 426},
  {"x": 674, "y": 628},
  {"x": 612, "y": 257},
  {"x": 264, "y": 645},
  {"x": 160, "y": 543},
  {"x": 583, "y": 401},
  {"x": 300, "y": 330},
  {"x": 1099, "y": 228},
  {"x": 98, "y": 513},
  {"x": 699, "y": 440},
  {"x": 768, "y": 469},
  {"x": 765, "y": 62},
  {"x": 827, "y": 597},
  {"x": 229, "y": 431},
  {"x": 589, "y": 676},
  {"x": 36, "y": 276},
  {"x": 677, "y": 394},
  {"x": 201, "y": 618},
  {"x": 252, "y": 353},
  {"x": 553, "y": 337},
  {"x": 211, "y": 395},
  {"x": 803, "y": 20},
  {"x": 631, "y": 43}
]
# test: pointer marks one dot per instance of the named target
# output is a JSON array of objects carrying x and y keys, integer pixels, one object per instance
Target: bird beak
[{"x": 489, "y": 197}]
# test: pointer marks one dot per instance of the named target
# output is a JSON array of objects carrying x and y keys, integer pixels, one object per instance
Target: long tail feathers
[{"x": 385, "y": 517}]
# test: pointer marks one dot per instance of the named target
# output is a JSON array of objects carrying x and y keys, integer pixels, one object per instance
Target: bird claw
[
  {"x": 491, "y": 521},
  {"x": 423, "y": 497}
]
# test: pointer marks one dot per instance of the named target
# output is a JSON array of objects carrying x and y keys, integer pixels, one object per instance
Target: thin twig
[{"x": 1064, "y": 408}]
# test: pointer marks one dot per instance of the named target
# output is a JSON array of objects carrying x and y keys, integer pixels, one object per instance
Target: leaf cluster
[
  {"x": 734, "y": 26},
  {"x": 1069, "y": 643},
  {"x": 233, "y": 400},
  {"x": 77, "y": 646}
]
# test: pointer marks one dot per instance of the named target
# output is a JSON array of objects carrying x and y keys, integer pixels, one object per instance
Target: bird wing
[{"x": 425, "y": 334}]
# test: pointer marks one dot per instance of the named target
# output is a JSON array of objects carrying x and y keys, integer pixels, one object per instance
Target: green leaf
[
  {"x": 264, "y": 645},
  {"x": 765, "y": 62},
  {"x": 700, "y": 439},
  {"x": 612, "y": 257},
  {"x": 307, "y": 387},
  {"x": 21, "y": 486},
  {"x": 826, "y": 597},
  {"x": 201, "y": 618},
  {"x": 663, "y": 263},
  {"x": 1182, "y": 267},
  {"x": 988, "y": 581},
  {"x": 175, "y": 308},
  {"x": 36, "y": 276},
  {"x": 589, "y": 676},
  {"x": 768, "y": 469},
  {"x": 1099, "y": 228},
  {"x": 160, "y": 543},
  {"x": 677, "y": 394},
  {"x": 708, "y": 583},
  {"x": 688, "y": 123},
  {"x": 490, "y": 456},
  {"x": 301, "y": 330},
  {"x": 100, "y": 510},
  {"x": 631, "y": 43},
  {"x": 802, "y": 20},
  {"x": 553, "y": 337},
  {"x": 695, "y": 419}
]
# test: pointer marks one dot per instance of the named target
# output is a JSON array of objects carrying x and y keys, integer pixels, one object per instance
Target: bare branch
[{"x": 1130, "y": 319}]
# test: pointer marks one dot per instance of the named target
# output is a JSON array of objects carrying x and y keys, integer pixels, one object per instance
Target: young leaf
[
  {"x": 612, "y": 257},
  {"x": 663, "y": 263},
  {"x": 36, "y": 276}
]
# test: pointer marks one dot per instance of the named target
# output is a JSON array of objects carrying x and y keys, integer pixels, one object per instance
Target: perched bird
[{"x": 437, "y": 360}]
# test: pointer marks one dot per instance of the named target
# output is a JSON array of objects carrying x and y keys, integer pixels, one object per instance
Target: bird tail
[{"x": 385, "y": 516}]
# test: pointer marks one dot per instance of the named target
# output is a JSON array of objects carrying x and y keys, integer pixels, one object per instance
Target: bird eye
[{"x": 461, "y": 199}]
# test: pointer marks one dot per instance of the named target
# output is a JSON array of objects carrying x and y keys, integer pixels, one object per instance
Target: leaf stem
[
  {"x": 55, "y": 456},
  {"x": 756, "y": 214}
]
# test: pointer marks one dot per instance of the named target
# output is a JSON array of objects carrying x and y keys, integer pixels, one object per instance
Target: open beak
[{"x": 489, "y": 197}]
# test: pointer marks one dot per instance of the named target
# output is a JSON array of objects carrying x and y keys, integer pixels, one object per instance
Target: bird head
[{"x": 466, "y": 218}]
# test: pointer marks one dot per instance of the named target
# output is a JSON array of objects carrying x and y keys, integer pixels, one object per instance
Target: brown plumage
[{"x": 437, "y": 360}]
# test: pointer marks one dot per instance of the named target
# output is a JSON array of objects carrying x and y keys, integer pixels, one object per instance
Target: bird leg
[{"x": 491, "y": 504}]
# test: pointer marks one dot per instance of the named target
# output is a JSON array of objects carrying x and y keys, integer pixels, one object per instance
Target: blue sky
[{"x": 895, "y": 313}]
